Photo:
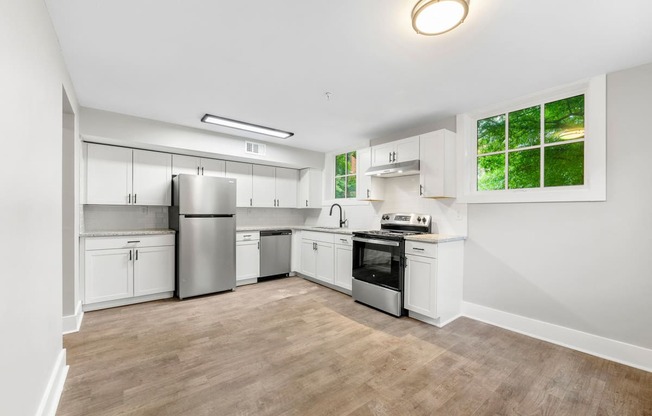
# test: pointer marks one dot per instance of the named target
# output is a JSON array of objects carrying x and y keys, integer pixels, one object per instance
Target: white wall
[
  {"x": 32, "y": 74},
  {"x": 584, "y": 266},
  {"x": 155, "y": 135}
]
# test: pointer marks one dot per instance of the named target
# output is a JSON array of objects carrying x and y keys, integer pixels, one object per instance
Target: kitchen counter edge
[
  {"x": 346, "y": 231},
  {"x": 117, "y": 233},
  {"x": 434, "y": 238}
]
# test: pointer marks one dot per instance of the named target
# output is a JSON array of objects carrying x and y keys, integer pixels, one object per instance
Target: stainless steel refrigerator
[{"x": 203, "y": 214}]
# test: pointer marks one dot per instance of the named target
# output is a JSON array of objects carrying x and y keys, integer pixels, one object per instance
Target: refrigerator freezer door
[
  {"x": 204, "y": 195},
  {"x": 206, "y": 255}
]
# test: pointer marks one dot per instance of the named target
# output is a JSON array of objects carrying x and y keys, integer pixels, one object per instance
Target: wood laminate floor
[{"x": 291, "y": 347}]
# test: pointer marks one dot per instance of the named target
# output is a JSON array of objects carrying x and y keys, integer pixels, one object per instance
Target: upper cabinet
[
  {"x": 242, "y": 172},
  {"x": 395, "y": 152},
  {"x": 368, "y": 188},
  {"x": 192, "y": 165},
  {"x": 437, "y": 155},
  {"x": 274, "y": 187},
  {"x": 309, "y": 188},
  {"x": 122, "y": 176}
]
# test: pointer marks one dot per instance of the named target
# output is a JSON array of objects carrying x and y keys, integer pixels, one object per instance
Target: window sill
[{"x": 344, "y": 202}]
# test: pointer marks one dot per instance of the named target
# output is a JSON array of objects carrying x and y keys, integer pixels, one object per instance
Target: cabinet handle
[
  {"x": 202, "y": 171},
  {"x": 133, "y": 241},
  {"x": 306, "y": 202},
  {"x": 197, "y": 170},
  {"x": 259, "y": 245},
  {"x": 251, "y": 202},
  {"x": 405, "y": 263},
  {"x": 135, "y": 195},
  {"x": 129, "y": 255},
  {"x": 314, "y": 246},
  {"x": 129, "y": 197},
  {"x": 420, "y": 189},
  {"x": 367, "y": 193},
  {"x": 247, "y": 236},
  {"x": 417, "y": 249},
  {"x": 136, "y": 254},
  {"x": 393, "y": 156},
  {"x": 344, "y": 240},
  {"x": 390, "y": 157}
]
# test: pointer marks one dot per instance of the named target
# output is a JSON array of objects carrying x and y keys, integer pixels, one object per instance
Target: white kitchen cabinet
[
  {"x": 153, "y": 270},
  {"x": 120, "y": 176},
  {"x": 108, "y": 174},
  {"x": 243, "y": 173},
  {"x": 433, "y": 281},
  {"x": 123, "y": 270},
  {"x": 396, "y": 151},
  {"x": 308, "y": 257},
  {"x": 274, "y": 187},
  {"x": 192, "y": 165},
  {"x": 109, "y": 275},
  {"x": 437, "y": 160},
  {"x": 310, "y": 188},
  {"x": 324, "y": 262},
  {"x": 317, "y": 256},
  {"x": 247, "y": 255},
  {"x": 151, "y": 178},
  {"x": 369, "y": 188},
  {"x": 286, "y": 187},
  {"x": 343, "y": 262}
]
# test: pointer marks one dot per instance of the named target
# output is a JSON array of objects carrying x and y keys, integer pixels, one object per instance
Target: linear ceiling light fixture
[
  {"x": 241, "y": 125},
  {"x": 434, "y": 17}
]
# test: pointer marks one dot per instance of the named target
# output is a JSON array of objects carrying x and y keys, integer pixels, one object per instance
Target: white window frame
[
  {"x": 329, "y": 182},
  {"x": 595, "y": 148}
]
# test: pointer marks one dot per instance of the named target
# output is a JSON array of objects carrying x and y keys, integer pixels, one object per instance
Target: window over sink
[{"x": 345, "y": 175}]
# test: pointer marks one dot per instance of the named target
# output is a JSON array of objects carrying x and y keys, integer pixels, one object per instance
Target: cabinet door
[
  {"x": 153, "y": 270},
  {"x": 188, "y": 165},
  {"x": 264, "y": 186},
  {"x": 152, "y": 178},
  {"x": 303, "y": 200},
  {"x": 325, "y": 261},
  {"x": 421, "y": 285},
  {"x": 437, "y": 155},
  {"x": 369, "y": 188},
  {"x": 108, "y": 175},
  {"x": 343, "y": 266},
  {"x": 286, "y": 187},
  {"x": 382, "y": 154},
  {"x": 242, "y": 172},
  {"x": 308, "y": 257},
  {"x": 108, "y": 275},
  {"x": 407, "y": 149},
  {"x": 213, "y": 167},
  {"x": 247, "y": 260}
]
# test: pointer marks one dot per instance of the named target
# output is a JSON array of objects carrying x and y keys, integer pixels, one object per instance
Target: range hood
[{"x": 411, "y": 167}]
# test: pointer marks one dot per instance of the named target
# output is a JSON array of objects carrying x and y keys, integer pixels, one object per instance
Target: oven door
[{"x": 378, "y": 262}]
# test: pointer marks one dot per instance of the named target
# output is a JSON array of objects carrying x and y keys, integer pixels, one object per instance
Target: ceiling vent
[{"x": 255, "y": 148}]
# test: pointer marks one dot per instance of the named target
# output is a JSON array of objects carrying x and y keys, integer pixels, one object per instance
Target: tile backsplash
[{"x": 114, "y": 217}]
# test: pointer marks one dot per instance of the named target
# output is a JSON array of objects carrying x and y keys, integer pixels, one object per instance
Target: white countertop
[
  {"x": 434, "y": 238},
  {"x": 115, "y": 233},
  {"x": 347, "y": 231}
]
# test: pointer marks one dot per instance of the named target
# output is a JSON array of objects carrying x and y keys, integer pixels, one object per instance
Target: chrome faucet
[{"x": 331, "y": 213}]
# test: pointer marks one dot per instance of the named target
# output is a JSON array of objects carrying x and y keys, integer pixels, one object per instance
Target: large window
[
  {"x": 547, "y": 147},
  {"x": 533, "y": 147},
  {"x": 345, "y": 175}
]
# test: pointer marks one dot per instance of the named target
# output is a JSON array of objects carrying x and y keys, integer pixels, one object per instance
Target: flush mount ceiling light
[
  {"x": 434, "y": 17},
  {"x": 241, "y": 125}
]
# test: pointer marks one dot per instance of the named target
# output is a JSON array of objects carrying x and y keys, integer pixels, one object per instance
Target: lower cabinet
[
  {"x": 247, "y": 257},
  {"x": 123, "y": 270},
  {"x": 433, "y": 281},
  {"x": 327, "y": 257}
]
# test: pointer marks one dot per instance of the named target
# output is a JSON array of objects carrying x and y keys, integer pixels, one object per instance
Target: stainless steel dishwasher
[{"x": 275, "y": 252}]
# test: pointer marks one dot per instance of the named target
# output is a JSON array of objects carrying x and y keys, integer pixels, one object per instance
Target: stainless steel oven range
[{"x": 379, "y": 261}]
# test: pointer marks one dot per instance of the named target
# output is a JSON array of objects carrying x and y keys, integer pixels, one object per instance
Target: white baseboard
[
  {"x": 54, "y": 388},
  {"x": 606, "y": 348},
  {"x": 72, "y": 323}
]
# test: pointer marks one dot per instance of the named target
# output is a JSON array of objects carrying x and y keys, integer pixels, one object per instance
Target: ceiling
[{"x": 271, "y": 62}]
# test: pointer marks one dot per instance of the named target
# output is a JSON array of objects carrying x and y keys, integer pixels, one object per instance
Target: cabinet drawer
[
  {"x": 247, "y": 235},
  {"x": 317, "y": 236},
  {"x": 421, "y": 249},
  {"x": 343, "y": 239},
  {"x": 100, "y": 243}
]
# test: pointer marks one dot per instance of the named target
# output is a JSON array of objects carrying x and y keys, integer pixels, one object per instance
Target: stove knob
[
  {"x": 424, "y": 220},
  {"x": 418, "y": 219}
]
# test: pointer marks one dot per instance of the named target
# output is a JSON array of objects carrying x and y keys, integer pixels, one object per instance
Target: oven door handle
[{"x": 375, "y": 241}]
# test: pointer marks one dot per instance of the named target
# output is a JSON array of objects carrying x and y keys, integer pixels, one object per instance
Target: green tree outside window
[{"x": 345, "y": 175}]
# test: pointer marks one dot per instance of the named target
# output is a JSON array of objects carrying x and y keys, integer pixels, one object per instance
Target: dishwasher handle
[{"x": 268, "y": 233}]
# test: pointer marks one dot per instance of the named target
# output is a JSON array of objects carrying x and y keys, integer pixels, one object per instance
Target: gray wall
[
  {"x": 31, "y": 105},
  {"x": 585, "y": 266}
]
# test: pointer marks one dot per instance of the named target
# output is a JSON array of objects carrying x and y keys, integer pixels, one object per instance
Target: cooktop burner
[{"x": 397, "y": 226}]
